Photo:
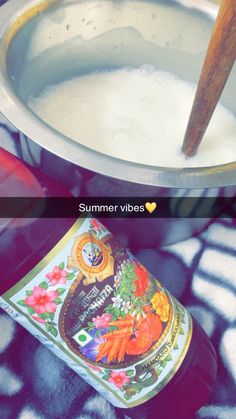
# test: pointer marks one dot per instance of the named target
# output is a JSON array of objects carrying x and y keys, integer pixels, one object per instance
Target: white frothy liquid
[{"x": 136, "y": 115}]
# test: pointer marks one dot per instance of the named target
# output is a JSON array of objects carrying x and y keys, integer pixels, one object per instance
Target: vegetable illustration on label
[{"x": 103, "y": 309}]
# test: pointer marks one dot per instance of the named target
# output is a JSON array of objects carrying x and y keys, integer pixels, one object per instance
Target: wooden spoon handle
[{"x": 219, "y": 61}]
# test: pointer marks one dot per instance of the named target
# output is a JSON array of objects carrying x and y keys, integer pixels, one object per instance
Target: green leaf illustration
[
  {"x": 91, "y": 325},
  {"x": 61, "y": 266},
  {"x": 181, "y": 332},
  {"x": 47, "y": 316},
  {"x": 60, "y": 291},
  {"x": 127, "y": 286},
  {"x": 44, "y": 285},
  {"x": 116, "y": 312},
  {"x": 127, "y": 396},
  {"x": 130, "y": 373},
  {"x": 70, "y": 276},
  {"x": 176, "y": 346},
  {"x": 123, "y": 314},
  {"x": 109, "y": 309},
  {"x": 47, "y": 326},
  {"x": 51, "y": 329},
  {"x": 58, "y": 301},
  {"x": 168, "y": 358},
  {"x": 163, "y": 363},
  {"x": 30, "y": 310},
  {"x": 22, "y": 303},
  {"x": 106, "y": 375},
  {"x": 29, "y": 293}
]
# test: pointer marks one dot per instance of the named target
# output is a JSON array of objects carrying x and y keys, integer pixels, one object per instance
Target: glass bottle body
[{"x": 26, "y": 245}]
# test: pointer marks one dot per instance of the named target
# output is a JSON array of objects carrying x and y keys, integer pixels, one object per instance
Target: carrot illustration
[
  {"x": 122, "y": 350},
  {"x": 103, "y": 350},
  {"x": 118, "y": 333},
  {"x": 114, "y": 349},
  {"x": 133, "y": 336}
]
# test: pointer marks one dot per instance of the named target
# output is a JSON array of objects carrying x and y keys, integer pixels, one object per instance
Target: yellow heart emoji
[{"x": 150, "y": 206}]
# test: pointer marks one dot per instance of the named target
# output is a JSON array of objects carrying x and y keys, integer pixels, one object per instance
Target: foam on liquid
[{"x": 136, "y": 115}]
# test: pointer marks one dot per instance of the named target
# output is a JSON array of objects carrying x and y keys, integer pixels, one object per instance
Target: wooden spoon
[{"x": 219, "y": 61}]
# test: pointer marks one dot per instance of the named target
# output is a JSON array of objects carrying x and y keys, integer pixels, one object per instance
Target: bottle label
[{"x": 97, "y": 308}]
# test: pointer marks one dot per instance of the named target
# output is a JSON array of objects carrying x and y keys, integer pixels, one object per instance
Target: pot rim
[{"x": 57, "y": 143}]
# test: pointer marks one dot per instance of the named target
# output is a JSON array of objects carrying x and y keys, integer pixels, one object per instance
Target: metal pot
[{"x": 45, "y": 42}]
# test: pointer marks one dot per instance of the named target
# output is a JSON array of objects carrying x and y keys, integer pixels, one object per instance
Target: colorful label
[{"x": 97, "y": 308}]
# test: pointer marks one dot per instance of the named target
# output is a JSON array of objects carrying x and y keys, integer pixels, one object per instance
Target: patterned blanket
[{"x": 200, "y": 272}]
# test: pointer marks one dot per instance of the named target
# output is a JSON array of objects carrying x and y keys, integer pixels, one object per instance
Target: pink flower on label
[
  {"x": 119, "y": 378},
  {"x": 42, "y": 301},
  {"x": 57, "y": 276},
  {"x": 102, "y": 321},
  {"x": 38, "y": 319}
]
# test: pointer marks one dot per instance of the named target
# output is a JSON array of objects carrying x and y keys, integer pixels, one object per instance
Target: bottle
[{"x": 83, "y": 294}]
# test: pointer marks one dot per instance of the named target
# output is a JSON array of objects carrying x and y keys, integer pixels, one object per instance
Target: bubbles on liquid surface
[{"x": 139, "y": 115}]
